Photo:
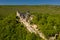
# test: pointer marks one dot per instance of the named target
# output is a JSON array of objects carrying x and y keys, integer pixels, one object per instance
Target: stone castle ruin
[{"x": 24, "y": 16}]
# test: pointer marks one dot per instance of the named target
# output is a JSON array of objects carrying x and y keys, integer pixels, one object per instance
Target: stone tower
[{"x": 27, "y": 15}]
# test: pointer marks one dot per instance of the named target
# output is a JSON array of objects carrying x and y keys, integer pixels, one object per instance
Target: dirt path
[{"x": 32, "y": 28}]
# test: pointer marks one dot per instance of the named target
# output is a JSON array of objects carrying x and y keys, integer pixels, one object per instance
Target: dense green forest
[
  {"x": 49, "y": 24},
  {"x": 47, "y": 18},
  {"x": 11, "y": 30}
]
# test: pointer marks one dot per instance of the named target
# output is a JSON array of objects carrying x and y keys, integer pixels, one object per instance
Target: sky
[{"x": 29, "y": 2}]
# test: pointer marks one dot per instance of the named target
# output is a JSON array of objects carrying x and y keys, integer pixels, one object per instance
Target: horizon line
[{"x": 30, "y": 4}]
